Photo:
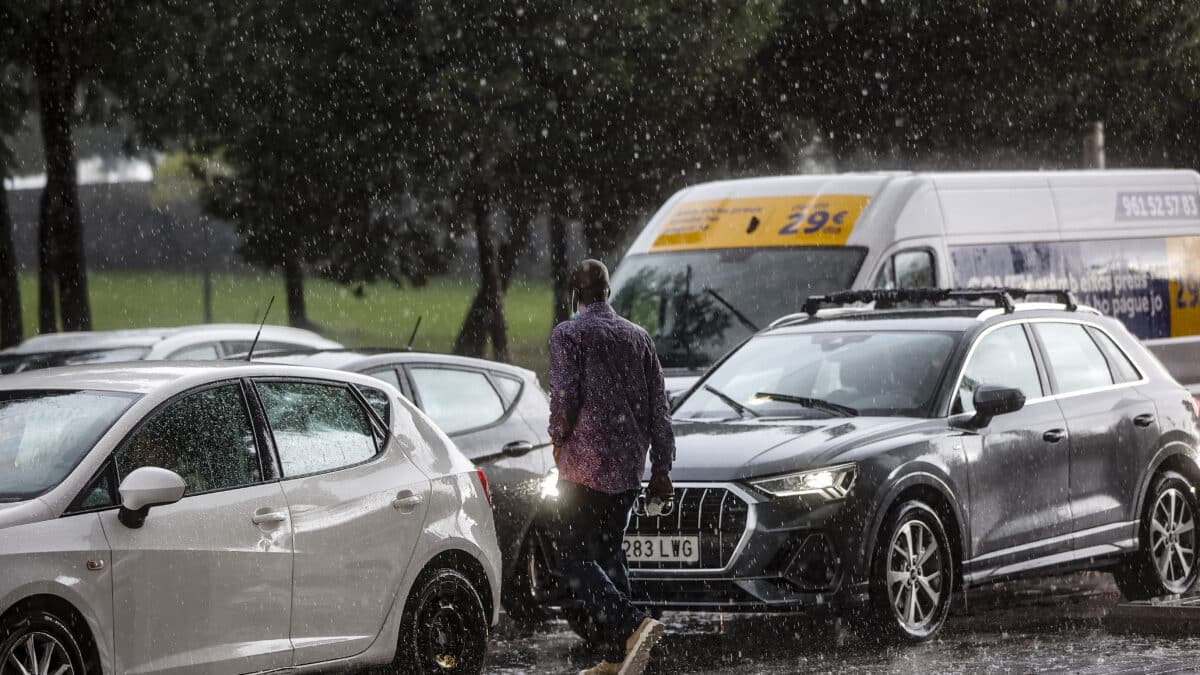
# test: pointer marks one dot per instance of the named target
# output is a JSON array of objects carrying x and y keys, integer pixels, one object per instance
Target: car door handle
[
  {"x": 1054, "y": 435},
  {"x": 264, "y": 517},
  {"x": 517, "y": 448},
  {"x": 1144, "y": 420},
  {"x": 406, "y": 501}
]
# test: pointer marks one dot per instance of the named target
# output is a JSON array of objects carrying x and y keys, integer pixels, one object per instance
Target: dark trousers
[{"x": 592, "y": 529}]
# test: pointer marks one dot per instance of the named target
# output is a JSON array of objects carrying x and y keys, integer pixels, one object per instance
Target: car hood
[
  {"x": 740, "y": 449},
  {"x": 22, "y": 513}
]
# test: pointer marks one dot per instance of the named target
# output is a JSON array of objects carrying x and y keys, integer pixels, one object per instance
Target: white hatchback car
[
  {"x": 202, "y": 342},
  {"x": 231, "y": 517}
]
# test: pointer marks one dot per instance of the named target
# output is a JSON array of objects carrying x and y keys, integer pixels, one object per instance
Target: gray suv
[{"x": 870, "y": 462}]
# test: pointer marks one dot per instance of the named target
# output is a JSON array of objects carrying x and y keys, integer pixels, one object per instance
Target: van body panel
[{"x": 1126, "y": 241}]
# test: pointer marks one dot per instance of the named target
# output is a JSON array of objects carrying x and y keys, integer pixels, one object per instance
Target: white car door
[
  {"x": 357, "y": 511},
  {"x": 204, "y": 586}
]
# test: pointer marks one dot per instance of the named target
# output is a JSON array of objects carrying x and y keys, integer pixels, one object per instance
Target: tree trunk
[
  {"x": 293, "y": 281},
  {"x": 472, "y": 337},
  {"x": 60, "y": 229},
  {"x": 491, "y": 286},
  {"x": 11, "y": 329},
  {"x": 558, "y": 268}
]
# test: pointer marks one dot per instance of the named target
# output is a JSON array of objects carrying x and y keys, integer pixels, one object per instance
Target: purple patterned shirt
[{"x": 608, "y": 403}]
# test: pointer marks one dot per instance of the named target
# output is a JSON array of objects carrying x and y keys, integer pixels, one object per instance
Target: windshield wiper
[
  {"x": 745, "y": 320},
  {"x": 815, "y": 403},
  {"x": 741, "y": 410}
]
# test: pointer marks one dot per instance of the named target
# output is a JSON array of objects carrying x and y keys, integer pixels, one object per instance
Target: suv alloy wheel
[
  {"x": 912, "y": 574},
  {"x": 1165, "y": 563}
]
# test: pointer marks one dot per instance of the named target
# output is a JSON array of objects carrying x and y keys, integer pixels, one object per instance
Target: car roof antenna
[
  {"x": 414, "y": 334},
  {"x": 250, "y": 354}
]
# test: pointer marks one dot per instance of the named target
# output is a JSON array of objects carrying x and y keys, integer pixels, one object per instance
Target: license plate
[{"x": 662, "y": 549}]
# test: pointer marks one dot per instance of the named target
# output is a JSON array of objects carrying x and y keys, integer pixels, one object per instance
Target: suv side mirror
[
  {"x": 146, "y": 487},
  {"x": 991, "y": 401}
]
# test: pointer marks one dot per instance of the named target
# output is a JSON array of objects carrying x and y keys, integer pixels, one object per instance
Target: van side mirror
[
  {"x": 144, "y": 488},
  {"x": 991, "y": 401}
]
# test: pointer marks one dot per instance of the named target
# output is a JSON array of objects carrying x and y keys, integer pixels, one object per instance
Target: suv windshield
[
  {"x": 44, "y": 434},
  {"x": 825, "y": 375},
  {"x": 689, "y": 302}
]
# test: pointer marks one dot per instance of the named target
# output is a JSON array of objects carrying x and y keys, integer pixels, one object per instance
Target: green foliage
[
  {"x": 383, "y": 316},
  {"x": 983, "y": 81}
]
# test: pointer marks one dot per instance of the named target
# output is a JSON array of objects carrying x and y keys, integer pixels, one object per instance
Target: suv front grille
[{"x": 717, "y": 515}]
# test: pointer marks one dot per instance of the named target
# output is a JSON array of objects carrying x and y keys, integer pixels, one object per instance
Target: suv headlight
[
  {"x": 550, "y": 484},
  {"x": 832, "y": 483}
]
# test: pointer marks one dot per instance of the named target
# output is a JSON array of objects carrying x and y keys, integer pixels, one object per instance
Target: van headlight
[
  {"x": 832, "y": 483},
  {"x": 550, "y": 484}
]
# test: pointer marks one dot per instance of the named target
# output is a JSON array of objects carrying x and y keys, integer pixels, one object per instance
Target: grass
[{"x": 383, "y": 316}]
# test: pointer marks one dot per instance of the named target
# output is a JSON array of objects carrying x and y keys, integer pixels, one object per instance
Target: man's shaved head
[{"x": 590, "y": 281}]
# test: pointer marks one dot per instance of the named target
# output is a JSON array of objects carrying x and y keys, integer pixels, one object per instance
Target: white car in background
[
  {"x": 204, "y": 342},
  {"x": 233, "y": 517}
]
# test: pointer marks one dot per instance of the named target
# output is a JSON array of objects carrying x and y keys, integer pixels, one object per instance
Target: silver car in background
[
  {"x": 202, "y": 342},
  {"x": 232, "y": 517}
]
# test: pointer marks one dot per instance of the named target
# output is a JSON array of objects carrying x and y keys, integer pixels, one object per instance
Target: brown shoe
[
  {"x": 603, "y": 668},
  {"x": 639, "y": 645}
]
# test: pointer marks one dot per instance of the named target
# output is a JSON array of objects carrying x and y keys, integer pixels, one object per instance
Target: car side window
[
  {"x": 457, "y": 399},
  {"x": 100, "y": 493},
  {"x": 387, "y": 375},
  {"x": 202, "y": 352},
  {"x": 1123, "y": 369},
  {"x": 317, "y": 427},
  {"x": 379, "y": 402},
  {"x": 907, "y": 269},
  {"x": 1003, "y": 358},
  {"x": 1075, "y": 360},
  {"x": 510, "y": 387},
  {"x": 205, "y": 437}
]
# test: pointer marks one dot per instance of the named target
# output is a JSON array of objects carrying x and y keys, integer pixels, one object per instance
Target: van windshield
[
  {"x": 686, "y": 300},
  {"x": 44, "y": 435}
]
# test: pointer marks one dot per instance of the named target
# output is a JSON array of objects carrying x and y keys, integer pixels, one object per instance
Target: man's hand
[
  {"x": 557, "y": 452},
  {"x": 661, "y": 486}
]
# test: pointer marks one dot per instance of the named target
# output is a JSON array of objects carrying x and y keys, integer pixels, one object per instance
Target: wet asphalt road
[{"x": 1048, "y": 626}]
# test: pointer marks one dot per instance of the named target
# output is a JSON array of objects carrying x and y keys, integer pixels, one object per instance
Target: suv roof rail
[{"x": 1004, "y": 298}]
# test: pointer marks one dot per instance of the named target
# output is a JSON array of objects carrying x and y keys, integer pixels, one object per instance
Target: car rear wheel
[
  {"x": 36, "y": 641},
  {"x": 912, "y": 574},
  {"x": 521, "y": 592},
  {"x": 1165, "y": 562},
  {"x": 445, "y": 628}
]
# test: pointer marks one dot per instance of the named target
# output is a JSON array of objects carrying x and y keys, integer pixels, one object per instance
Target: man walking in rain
[{"x": 608, "y": 406}]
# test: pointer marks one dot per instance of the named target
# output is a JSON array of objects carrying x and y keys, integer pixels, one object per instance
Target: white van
[{"x": 720, "y": 260}]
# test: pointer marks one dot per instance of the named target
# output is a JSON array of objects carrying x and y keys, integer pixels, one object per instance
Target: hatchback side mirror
[
  {"x": 144, "y": 488},
  {"x": 991, "y": 401}
]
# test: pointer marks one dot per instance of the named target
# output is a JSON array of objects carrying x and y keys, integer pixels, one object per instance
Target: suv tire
[
  {"x": 1165, "y": 562},
  {"x": 444, "y": 627},
  {"x": 46, "y": 633},
  {"x": 912, "y": 574}
]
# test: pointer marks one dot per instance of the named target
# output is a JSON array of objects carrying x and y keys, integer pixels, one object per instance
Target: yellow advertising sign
[
  {"x": 1183, "y": 276},
  {"x": 801, "y": 220}
]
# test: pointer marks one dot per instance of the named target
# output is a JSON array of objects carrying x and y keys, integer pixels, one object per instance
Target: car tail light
[{"x": 487, "y": 491}]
